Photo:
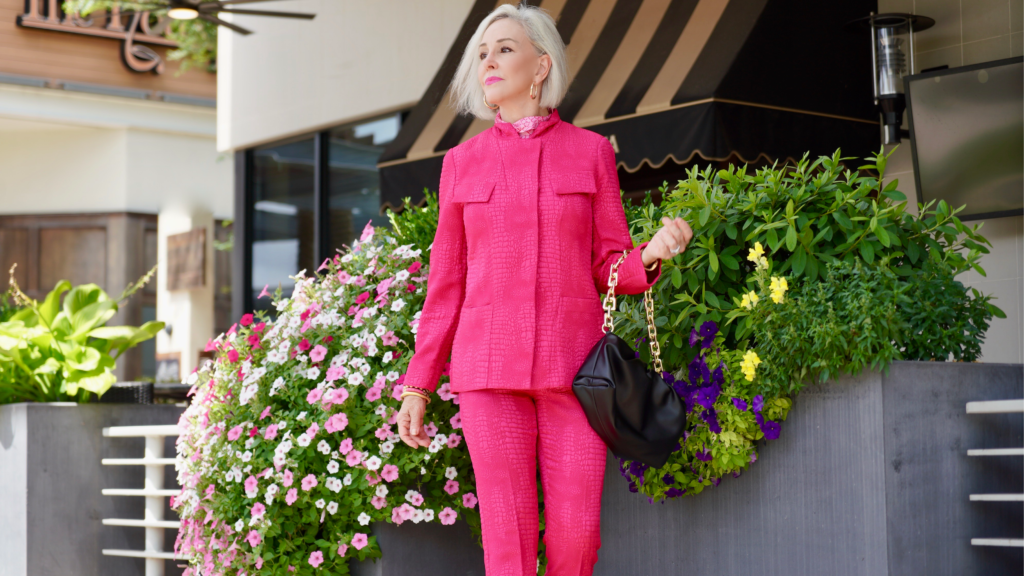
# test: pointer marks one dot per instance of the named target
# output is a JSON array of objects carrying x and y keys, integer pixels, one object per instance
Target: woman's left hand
[{"x": 669, "y": 241}]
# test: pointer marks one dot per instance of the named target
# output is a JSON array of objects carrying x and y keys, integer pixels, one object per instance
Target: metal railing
[
  {"x": 997, "y": 407},
  {"x": 153, "y": 491}
]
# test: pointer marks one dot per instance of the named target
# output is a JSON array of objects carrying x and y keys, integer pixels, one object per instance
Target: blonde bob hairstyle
[{"x": 467, "y": 95}]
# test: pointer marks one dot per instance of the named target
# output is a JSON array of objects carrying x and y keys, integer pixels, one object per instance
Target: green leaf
[
  {"x": 799, "y": 261},
  {"x": 713, "y": 261},
  {"x": 51, "y": 304},
  {"x": 704, "y": 215},
  {"x": 729, "y": 262},
  {"x": 867, "y": 252},
  {"x": 791, "y": 238},
  {"x": 83, "y": 358},
  {"x": 710, "y": 298},
  {"x": 677, "y": 278},
  {"x": 883, "y": 236},
  {"x": 730, "y": 231}
]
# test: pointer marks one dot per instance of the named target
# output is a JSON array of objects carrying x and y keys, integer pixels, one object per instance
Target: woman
[{"x": 531, "y": 222}]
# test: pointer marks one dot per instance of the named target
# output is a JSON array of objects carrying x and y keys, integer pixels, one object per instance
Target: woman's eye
[
  {"x": 483, "y": 55},
  {"x": 504, "y": 48}
]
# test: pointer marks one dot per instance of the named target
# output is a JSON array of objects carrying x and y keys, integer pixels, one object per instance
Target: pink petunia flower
[
  {"x": 469, "y": 500},
  {"x": 378, "y": 502},
  {"x": 389, "y": 473},
  {"x": 359, "y": 541},
  {"x": 415, "y": 267},
  {"x": 346, "y": 446},
  {"x": 246, "y": 320},
  {"x": 447, "y": 516},
  {"x": 265, "y": 413},
  {"x": 314, "y": 395},
  {"x": 232, "y": 356},
  {"x": 373, "y": 394},
  {"x": 451, "y": 487},
  {"x": 291, "y": 496},
  {"x": 396, "y": 393},
  {"x": 342, "y": 549},
  {"x": 453, "y": 440},
  {"x": 210, "y": 489},
  {"x": 258, "y": 510},
  {"x": 372, "y": 478},
  {"x": 271, "y": 432},
  {"x": 339, "y": 396},
  {"x": 381, "y": 433},
  {"x": 353, "y": 458},
  {"x": 344, "y": 277},
  {"x": 266, "y": 293},
  {"x": 389, "y": 338},
  {"x": 250, "y": 484},
  {"x": 335, "y": 373},
  {"x": 406, "y": 511},
  {"x": 310, "y": 482},
  {"x": 312, "y": 430},
  {"x": 396, "y": 516},
  {"x": 304, "y": 345},
  {"x": 362, "y": 297},
  {"x": 456, "y": 420},
  {"x": 336, "y": 423},
  {"x": 318, "y": 353},
  {"x": 366, "y": 235},
  {"x": 253, "y": 538},
  {"x": 416, "y": 499},
  {"x": 259, "y": 562},
  {"x": 430, "y": 429},
  {"x": 316, "y": 559},
  {"x": 235, "y": 433},
  {"x": 287, "y": 478}
]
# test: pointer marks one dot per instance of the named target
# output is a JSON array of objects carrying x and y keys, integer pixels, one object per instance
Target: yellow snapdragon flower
[
  {"x": 756, "y": 255},
  {"x": 749, "y": 365},
  {"x": 749, "y": 300},
  {"x": 778, "y": 288}
]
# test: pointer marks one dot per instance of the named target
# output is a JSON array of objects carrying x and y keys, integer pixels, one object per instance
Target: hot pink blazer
[{"x": 528, "y": 231}]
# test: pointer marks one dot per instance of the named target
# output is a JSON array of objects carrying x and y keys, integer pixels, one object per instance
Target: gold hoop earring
[
  {"x": 495, "y": 107},
  {"x": 532, "y": 95}
]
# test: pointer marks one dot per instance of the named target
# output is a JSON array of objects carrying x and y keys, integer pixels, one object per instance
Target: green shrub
[{"x": 60, "y": 349}]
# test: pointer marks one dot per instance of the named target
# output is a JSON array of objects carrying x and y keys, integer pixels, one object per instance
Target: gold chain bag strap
[
  {"x": 629, "y": 405},
  {"x": 609, "y": 305}
]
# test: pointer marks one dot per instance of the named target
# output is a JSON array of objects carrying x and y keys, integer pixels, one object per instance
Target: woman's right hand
[{"x": 410, "y": 422}]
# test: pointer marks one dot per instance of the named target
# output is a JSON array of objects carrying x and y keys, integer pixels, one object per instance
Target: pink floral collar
[{"x": 524, "y": 126}]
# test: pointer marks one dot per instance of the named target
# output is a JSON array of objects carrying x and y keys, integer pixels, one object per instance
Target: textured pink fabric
[
  {"x": 507, "y": 432},
  {"x": 527, "y": 234},
  {"x": 526, "y": 125}
]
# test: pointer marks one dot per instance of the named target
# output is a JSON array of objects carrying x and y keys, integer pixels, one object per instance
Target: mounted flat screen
[{"x": 967, "y": 128}]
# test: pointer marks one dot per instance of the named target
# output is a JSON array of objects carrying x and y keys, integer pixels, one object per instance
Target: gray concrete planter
[
  {"x": 870, "y": 477},
  {"x": 50, "y": 482}
]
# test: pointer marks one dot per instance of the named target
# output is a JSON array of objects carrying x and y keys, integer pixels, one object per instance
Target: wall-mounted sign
[
  {"x": 133, "y": 35},
  {"x": 186, "y": 260}
]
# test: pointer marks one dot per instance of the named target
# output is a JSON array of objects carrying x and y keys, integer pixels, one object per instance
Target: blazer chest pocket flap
[
  {"x": 580, "y": 182},
  {"x": 475, "y": 192}
]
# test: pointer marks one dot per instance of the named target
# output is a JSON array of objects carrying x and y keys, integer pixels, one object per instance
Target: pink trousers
[{"x": 507, "y": 433}]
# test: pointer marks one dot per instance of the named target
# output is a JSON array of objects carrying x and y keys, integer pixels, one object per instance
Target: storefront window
[
  {"x": 311, "y": 196},
  {"x": 282, "y": 215},
  {"x": 354, "y": 183}
]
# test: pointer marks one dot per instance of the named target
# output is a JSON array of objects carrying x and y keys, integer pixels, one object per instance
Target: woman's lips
[{"x": 492, "y": 80}]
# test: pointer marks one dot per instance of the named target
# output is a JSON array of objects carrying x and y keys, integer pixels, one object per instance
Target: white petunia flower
[
  {"x": 320, "y": 503},
  {"x": 333, "y": 484},
  {"x": 373, "y": 463},
  {"x": 323, "y": 447},
  {"x": 380, "y": 410},
  {"x": 428, "y": 515},
  {"x": 304, "y": 440},
  {"x": 387, "y": 356},
  {"x": 313, "y": 373},
  {"x": 380, "y": 331},
  {"x": 417, "y": 516},
  {"x": 332, "y": 467},
  {"x": 239, "y": 525},
  {"x": 246, "y": 456},
  {"x": 397, "y": 305},
  {"x": 402, "y": 275},
  {"x": 332, "y": 508},
  {"x": 363, "y": 518},
  {"x": 382, "y": 491},
  {"x": 355, "y": 378},
  {"x": 451, "y": 472},
  {"x": 301, "y": 416},
  {"x": 347, "y": 481},
  {"x": 277, "y": 385},
  {"x": 387, "y": 447}
]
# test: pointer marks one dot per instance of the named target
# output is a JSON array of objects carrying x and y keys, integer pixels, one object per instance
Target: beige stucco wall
[{"x": 355, "y": 59}]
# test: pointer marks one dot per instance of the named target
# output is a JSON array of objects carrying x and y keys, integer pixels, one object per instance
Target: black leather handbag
[{"x": 629, "y": 405}]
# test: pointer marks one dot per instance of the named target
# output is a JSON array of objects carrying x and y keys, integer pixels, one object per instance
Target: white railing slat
[
  {"x": 997, "y": 497},
  {"x": 132, "y": 523},
  {"x": 996, "y": 407},
  {"x": 996, "y": 452},
  {"x": 137, "y": 461},
  {"x": 143, "y": 554},
  {"x": 139, "y": 492},
  {"x": 139, "y": 431},
  {"x": 1010, "y": 542}
]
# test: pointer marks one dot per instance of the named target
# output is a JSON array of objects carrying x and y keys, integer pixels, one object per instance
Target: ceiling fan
[{"x": 208, "y": 10}]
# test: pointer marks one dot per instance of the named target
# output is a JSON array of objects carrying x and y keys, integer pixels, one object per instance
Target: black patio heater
[{"x": 891, "y": 34}]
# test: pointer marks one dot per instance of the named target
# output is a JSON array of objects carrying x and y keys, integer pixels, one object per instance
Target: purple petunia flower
[
  {"x": 758, "y": 403},
  {"x": 769, "y": 428},
  {"x": 753, "y": 457},
  {"x": 737, "y": 473},
  {"x": 668, "y": 378},
  {"x": 708, "y": 329},
  {"x": 718, "y": 377},
  {"x": 669, "y": 479},
  {"x": 694, "y": 338},
  {"x": 740, "y": 404},
  {"x": 677, "y": 448},
  {"x": 674, "y": 492},
  {"x": 711, "y": 418},
  {"x": 707, "y": 396},
  {"x": 716, "y": 481},
  {"x": 704, "y": 455},
  {"x": 633, "y": 488}
]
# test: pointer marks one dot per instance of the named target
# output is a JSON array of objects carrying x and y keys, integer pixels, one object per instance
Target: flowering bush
[{"x": 289, "y": 449}]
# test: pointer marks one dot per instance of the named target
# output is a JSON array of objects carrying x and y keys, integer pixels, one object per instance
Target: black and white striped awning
[{"x": 673, "y": 79}]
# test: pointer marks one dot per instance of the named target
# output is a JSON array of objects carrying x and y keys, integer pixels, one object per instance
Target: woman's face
[{"x": 509, "y": 63}]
